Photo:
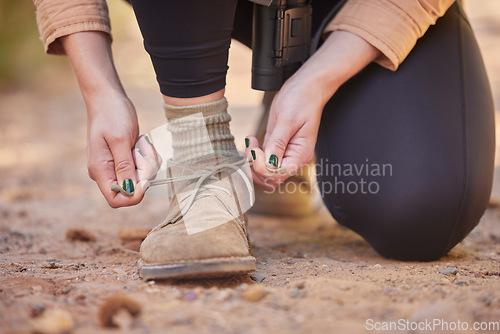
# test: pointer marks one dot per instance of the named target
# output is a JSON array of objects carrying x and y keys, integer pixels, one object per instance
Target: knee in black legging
[{"x": 408, "y": 223}]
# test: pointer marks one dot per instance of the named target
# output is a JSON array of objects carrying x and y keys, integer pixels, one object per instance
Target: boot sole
[{"x": 206, "y": 268}]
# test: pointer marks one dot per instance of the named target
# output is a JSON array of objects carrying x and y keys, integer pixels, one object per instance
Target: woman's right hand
[
  {"x": 112, "y": 121},
  {"x": 112, "y": 133}
]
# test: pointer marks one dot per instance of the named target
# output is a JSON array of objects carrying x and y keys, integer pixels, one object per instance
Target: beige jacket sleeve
[
  {"x": 57, "y": 18},
  {"x": 392, "y": 26}
]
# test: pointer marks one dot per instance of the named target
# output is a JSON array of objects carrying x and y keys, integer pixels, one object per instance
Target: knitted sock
[{"x": 200, "y": 130}]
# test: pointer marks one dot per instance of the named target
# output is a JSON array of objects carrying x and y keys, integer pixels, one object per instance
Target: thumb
[
  {"x": 276, "y": 145},
  {"x": 124, "y": 166}
]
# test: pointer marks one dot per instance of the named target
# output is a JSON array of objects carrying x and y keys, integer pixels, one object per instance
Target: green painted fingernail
[
  {"x": 128, "y": 186},
  {"x": 273, "y": 160},
  {"x": 147, "y": 139},
  {"x": 247, "y": 142},
  {"x": 253, "y": 154}
]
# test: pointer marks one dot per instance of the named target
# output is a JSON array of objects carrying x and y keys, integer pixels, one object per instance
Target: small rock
[
  {"x": 301, "y": 285},
  {"x": 487, "y": 299},
  {"x": 118, "y": 271},
  {"x": 80, "y": 234},
  {"x": 223, "y": 295},
  {"x": 449, "y": 271},
  {"x": 388, "y": 289},
  {"x": 296, "y": 293},
  {"x": 54, "y": 321},
  {"x": 257, "y": 277},
  {"x": 181, "y": 320},
  {"x": 131, "y": 234},
  {"x": 133, "y": 245},
  {"x": 37, "y": 309},
  {"x": 189, "y": 295},
  {"x": 51, "y": 265},
  {"x": 80, "y": 299},
  {"x": 113, "y": 306},
  {"x": 123, "y": 320},
  {"x": 16, "y": 233},
  {"x": 254, "y": 293}
]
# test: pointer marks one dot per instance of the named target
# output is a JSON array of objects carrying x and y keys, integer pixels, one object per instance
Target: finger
[
  {"x": 146, "y": 168},
  {"x": 124, "y": 165},
  {"x": 103, "y": 173},
  {"x": 276, "y": 144},
  {"x": 148, "y": 150},
  {"x": 261, "y": 173}
]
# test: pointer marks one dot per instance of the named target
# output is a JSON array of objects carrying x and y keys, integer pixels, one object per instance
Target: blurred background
[
  {"x": 39, "y": 89},
  {"x": 45, "y": 190}
]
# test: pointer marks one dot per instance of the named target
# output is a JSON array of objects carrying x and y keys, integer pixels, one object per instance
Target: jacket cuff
[
  {"x": 58, "y": 18},
  {"x": 391, "y": 26}
]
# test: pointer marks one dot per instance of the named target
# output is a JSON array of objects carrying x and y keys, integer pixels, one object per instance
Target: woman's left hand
[
  {"x": 291, "y": 132},
  {"x": 296, "y": 110}
]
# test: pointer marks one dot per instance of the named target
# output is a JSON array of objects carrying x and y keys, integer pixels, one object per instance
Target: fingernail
[
  {"x": 247, "y": 142},
  {"x": 128, "y": 186},
  {"x": 254, "y": 156},
  {"x": 273, "y": 160},
  {"x": 147, "y": 139}
]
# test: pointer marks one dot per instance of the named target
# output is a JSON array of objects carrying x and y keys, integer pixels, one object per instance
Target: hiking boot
[{"x": 205, "y": 231}]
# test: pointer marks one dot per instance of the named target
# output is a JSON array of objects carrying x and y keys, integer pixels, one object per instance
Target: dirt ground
[{"x": 312, "y": 274}]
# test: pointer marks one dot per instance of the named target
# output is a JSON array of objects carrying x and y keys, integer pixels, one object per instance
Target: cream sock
[{"x": 200, "y": 130}]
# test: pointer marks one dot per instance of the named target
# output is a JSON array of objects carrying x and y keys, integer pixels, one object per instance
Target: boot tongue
[{"x": 183, "y": 186}]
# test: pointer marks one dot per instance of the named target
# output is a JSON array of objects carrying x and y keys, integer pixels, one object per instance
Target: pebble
[
  {"x": 257, "y": 277},
  {"x": 181, "y": 320},
  {"x": 487, "y": 299},
  {"x": 223, "y": 295},
  {"x": 254, "y": 293},
  {"x": 300, "y": 285},
  {"x": 37, "y": 309},
  {"x": 296, "y": 293},
  {"x": 54, "y": 321},
  {"x": 51, "y": 265},
  {"x": 189, "y": 295},
  {"x": 449, "y": 271},
  {"x": 80, "y": 234},
  {"x": 120, "y": 305},
  {"x": 388, "y": 289}
]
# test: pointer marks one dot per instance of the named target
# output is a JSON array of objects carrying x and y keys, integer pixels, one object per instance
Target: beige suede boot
[{"x": 204, "y": 234}]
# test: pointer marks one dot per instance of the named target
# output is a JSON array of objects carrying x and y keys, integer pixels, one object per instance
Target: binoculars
[{"x": 281, "y": 41}]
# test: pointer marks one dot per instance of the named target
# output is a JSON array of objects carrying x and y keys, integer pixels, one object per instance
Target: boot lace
[{"x": 202, "y": 190}]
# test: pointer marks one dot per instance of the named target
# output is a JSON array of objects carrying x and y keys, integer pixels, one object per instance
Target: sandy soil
[{"x": 312, "y": 274}]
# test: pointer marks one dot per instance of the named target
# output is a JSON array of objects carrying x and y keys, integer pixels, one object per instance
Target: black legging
[
  {"x": 428, "y": 127},
  {"x": 188, "y": 41}
]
